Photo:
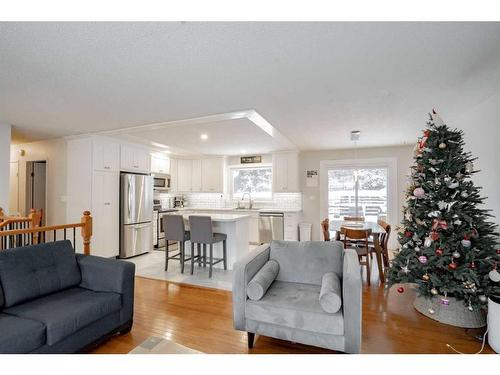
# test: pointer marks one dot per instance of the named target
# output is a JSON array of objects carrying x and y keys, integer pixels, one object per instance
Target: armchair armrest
[
  {"x": 352, "y": 301},
  {"x": 109, "y": 275},
  {"x": 244, "y": 270}
]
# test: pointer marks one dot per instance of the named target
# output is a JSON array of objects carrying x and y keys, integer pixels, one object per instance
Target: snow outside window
[{"x": 254, "y": 180}]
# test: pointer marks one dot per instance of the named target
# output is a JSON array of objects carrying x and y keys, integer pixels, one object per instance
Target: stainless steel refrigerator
[{"x": 136, "y": 214}]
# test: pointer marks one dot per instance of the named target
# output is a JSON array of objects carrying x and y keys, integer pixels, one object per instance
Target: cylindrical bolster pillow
[
  {"x": 330, "y": 296},
  {"x": 262, "y": 280}
]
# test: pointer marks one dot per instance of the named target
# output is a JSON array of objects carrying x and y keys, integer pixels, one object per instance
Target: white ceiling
[{"x": 314, "y": 82}]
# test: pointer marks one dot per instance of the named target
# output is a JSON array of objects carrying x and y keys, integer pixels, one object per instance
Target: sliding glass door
[{"x": 357, "y": 191}]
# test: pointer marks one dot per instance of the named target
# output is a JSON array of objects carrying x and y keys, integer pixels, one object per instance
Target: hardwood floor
[{"x": 201, "y": 319}]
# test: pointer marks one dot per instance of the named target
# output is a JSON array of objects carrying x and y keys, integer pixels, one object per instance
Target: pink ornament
[
  {"x": 419, "y": 192},
  {"x": 422, "y": 259},
  {"x": 445, "y": 301}
]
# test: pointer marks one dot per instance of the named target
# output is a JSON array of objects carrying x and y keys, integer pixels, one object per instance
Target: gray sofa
[
  {"x": 290, "y": 308},
  {"x": 55, "y": 301}
]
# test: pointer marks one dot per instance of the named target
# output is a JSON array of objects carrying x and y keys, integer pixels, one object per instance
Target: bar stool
[
  {"x": 202, "y": 233},
  {"x": 173, "y": 226}
]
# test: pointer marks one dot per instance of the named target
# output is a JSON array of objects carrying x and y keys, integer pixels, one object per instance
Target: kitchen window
[{"x": 258, "y": 181}]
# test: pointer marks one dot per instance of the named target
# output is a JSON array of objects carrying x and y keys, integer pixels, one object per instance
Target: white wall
[
  {"x": 54, "y": 152},
  {"x": 310, "y": 160},
  {"x": 4, "y": 165},
  {"x": 481, "y": 125}
]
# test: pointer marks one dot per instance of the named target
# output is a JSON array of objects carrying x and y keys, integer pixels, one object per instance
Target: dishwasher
[{"x": 271, "y": 226}]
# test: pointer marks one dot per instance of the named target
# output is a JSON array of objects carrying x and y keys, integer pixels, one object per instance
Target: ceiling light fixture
[{"x": 204, "y": 137}]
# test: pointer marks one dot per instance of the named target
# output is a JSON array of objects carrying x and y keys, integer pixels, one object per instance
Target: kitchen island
[{"x": 235, "y": 226}]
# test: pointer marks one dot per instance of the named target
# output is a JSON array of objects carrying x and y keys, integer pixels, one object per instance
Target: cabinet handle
[
  {"x": 107, "y": 167},
  {"x": 136, "y": 166},
  {"x": 107, "y": 204}
]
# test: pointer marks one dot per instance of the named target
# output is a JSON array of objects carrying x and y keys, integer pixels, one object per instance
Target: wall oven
[{"x": 161, "y": 181}]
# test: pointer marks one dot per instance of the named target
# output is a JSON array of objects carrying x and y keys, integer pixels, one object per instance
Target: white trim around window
[{"x": 392, "y": 181}]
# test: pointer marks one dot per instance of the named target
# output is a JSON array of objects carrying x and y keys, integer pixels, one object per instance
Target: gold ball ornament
[
  {"x": 434, "y": 291},
  {"x": 442, "y": 145},
  {"x": 425, "y": 277}
]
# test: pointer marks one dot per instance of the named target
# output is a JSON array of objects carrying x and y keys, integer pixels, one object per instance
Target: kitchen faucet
[{"x": 250, "y": 203}]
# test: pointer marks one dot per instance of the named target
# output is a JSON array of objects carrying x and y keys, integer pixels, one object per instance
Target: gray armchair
[{"x": 290, "y": 308}]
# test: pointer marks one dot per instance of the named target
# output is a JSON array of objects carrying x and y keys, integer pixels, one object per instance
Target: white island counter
[{"x": 236, "y": 228}]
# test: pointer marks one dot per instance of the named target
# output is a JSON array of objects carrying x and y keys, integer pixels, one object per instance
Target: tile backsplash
[{"x": 290, "y": 201}]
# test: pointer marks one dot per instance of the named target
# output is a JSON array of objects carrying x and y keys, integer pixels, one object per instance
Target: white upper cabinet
[
  {"x": 174, "y": 175},
  {"x": 160, "y": 164},
  {"x": 135, "y": 159},
  {"x": 285, "y": 172},
  {"x": 184, "y": 175},
  {"x": 196, "y": 175},
  {"x": 105, "y": 155},
  {"x": 212, "y": 175}
]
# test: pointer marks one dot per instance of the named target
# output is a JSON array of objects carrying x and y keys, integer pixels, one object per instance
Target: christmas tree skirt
[{"x": 450, "y": 311}]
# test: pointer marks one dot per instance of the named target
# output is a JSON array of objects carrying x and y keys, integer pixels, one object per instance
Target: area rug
[{"x": 157, "y": 345}]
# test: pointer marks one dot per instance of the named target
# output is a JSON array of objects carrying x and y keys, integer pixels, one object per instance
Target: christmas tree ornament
[
  {"x": 408, "y": 234},
  {"x": 498, "y": 251},
  {"x": 470, "y": 308},
  {"x": 494, "y": 276},
  {"x": 469, "y": 167},
  {"x": 425, "y": 277},
  {"x": 417, "y": 249},
  {"x": 401, "y": 289},
  {"x": 422, "y": 259},
  {"x": 434, "y": 291},
  {"x": 419, "y": 192},
  {"x": 431, "y": 311},
  {"x": 464, "y": 194},
  {"x": 466, "y": 242},
  {"x": 459, "y": 175},
  {"x": 439, "y": 252},
  {"x": 439, "y": 224},
  {"x": 442, "y": 145},
  {"x": 474, "y": 234},
  {"x": 472, "y": 265},
  {"x": 482, "y": 298},
  {"x": 428, "y": 242},
  {"x": 452, "y": 266},
  {"x": 445, "y": 301},
  {"x": 453, "y": 185},
  {"x": 434, "y": 236},
  {"x": 456, "y": 254}
]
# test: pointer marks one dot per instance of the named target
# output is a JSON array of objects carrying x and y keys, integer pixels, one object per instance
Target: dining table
[{"x": 376, "y": 231}]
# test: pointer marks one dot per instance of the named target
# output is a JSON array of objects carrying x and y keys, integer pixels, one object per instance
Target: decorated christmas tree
[{"x": 448, "y": 246}]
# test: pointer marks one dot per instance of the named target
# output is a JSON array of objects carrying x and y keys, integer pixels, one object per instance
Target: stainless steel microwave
[{"x": 161, "y": 181}]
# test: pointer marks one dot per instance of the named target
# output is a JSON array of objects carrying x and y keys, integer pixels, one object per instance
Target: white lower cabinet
[
  {"x": 105, "y": 213},
  {"x": 291, "y": 226},
  {"x": 253, "y": 234}
]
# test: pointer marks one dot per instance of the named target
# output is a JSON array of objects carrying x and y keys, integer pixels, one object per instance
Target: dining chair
[
  {"x": 325, "y": 227},
  {"x": 202, "y": 234},
  {"x": 350, "y": 238},
  {"x": 384, "y": 242},
  {"x": 175, "y": 231}
]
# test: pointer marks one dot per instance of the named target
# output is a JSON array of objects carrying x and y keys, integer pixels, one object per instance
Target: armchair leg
[{"x": 250, "y": 337}]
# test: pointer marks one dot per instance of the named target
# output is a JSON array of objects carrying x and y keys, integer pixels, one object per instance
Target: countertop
[
  {"x": 235, "y": 210},
  {"x": 223, "y": 218}
]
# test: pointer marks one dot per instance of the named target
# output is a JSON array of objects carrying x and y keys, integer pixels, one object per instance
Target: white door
[
  {"x": 105, "y": 213},
  {"x": 184, "y": 175},
  {"x": 196, "y": 176},
  {"x": 14, "y": 188}
]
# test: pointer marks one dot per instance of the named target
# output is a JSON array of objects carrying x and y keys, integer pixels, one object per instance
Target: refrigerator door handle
[{"x": 140, "y": 226}]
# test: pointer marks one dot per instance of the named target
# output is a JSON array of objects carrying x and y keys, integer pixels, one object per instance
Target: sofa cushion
[
  {"x": 261, "y": 282},
  {"x": 295, "y": 305},
  {"x": 64, "y": 313},
  {"x": 19, "y": 335},
  {"x": 330, "y": 295},
  {"x": 33, "y": 271},
  {"x": 306, "y": 262}
]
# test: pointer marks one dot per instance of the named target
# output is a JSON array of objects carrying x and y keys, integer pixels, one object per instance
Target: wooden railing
[{"x": 33, "y": 233}]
